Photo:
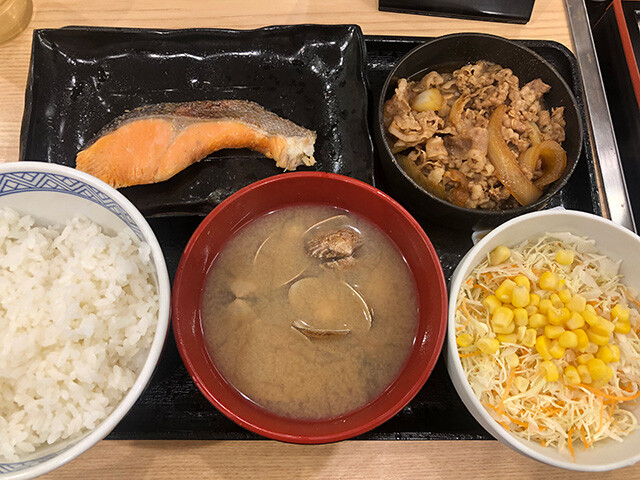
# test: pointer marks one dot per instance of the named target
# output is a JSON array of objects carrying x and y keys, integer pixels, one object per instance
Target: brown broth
[{"x": 249, "y": 334}]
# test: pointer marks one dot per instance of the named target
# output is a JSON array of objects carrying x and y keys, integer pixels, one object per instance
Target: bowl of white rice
[{"x": 84, "y": 309}]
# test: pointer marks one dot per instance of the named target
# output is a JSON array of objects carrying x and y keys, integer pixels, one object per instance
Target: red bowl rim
[{"x": 437, "y": 337}]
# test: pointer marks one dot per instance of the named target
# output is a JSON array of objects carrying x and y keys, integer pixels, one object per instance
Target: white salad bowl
[
  {"x": 612, "y": 240},
  {"x": 53, "y": 194}
]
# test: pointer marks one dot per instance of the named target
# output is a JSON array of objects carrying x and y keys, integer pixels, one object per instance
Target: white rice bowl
[{"x": 78, "y": 311}]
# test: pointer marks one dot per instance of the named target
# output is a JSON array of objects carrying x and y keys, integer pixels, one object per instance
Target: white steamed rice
[{"x": 78, "y": 310}]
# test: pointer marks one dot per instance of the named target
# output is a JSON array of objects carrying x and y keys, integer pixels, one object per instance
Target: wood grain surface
[
  {"x": 355, "y": 460},
  {"x": 267, "y": 459}
]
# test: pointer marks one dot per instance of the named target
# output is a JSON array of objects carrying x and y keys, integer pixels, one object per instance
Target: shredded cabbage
[{"x": 553, "y": 413}]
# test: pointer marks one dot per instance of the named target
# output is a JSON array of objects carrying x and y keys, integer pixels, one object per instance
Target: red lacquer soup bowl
[{"x": 307, "y": 188}]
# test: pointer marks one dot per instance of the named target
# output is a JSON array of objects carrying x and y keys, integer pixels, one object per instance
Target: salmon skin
[{"x": 152, "y": 143}]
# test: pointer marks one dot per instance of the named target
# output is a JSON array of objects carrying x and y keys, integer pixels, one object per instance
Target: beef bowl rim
[{"x": 529, "y": 227}]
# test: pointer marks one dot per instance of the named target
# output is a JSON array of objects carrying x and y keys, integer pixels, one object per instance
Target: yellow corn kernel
[
  {"x": 565, "y": 296},
  {"x": 545, "y": 305},
  {"x": 585, "y": 376},
  {"x": 491, "y": 303},
  {"x": 598, "y": 339},
  {"x": 568, "y": 340},
  {"x": 430, "y": 99},
  {"x": 502, "y": 320},
  {"x": 464, "y": 340},
  {"x": 561, "y": 283},
  {"x": 537, "y": 320},
  {"x": 531, "y": 309},
  {"x": 584, "y": 358},
  {"x": 615, "y": 350},
  {"x": 550, "y": 371},
  {"x": 505, "y": 290},
  {"x": 529, "y": 339},
  {"x": 520, "y": 332},
  {"x": 583, "y": 339},
  {"x": 520, "y": 296},
  {"x": 600, "y": 373},
  {"x": 591, "y": 317},
  {"x": 577, "y": 303},
  {"x": 548, "y": 281},
  {"x": 534, "y": 300},
  {"x": 504, "y": 330},
  {"x": 571, "y": 374},
  {"x": 499, "y": 255},
  {"x": 603, "y": 327},
  {"x": 542, "y": 346},
  {"x": 622, "y": 327},
  {"x": 553, "y": 331},
  {"x": 507, "y": 337},
  {"x": 620, "y": 312},
  {"x": 575, "y": 321},
  {"x": 521, "y": 383},
  {"x": 488, "y": 345},
  {"x": 557, "y": 316},
  {"x": 523, "y": 281},
  {"x": 608, "y": 354},
  {"x": 513, "y": 360},
  {"x": 604, "y": 353},
  {"x": 556, "y": 301},
  {"x": 520, "y": 316},
  {"x": 590, "y": 308},
  {"x": 556, "y": 351},
  {"x": 564, "y": 257}
]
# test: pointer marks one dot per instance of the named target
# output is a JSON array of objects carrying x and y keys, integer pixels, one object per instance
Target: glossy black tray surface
[
  {"x": 81, "y": 78},
  {"x": 173, "y": 408}
]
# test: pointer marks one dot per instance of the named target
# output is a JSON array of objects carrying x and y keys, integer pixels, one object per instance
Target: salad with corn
[{"x": 548, "y": 336}]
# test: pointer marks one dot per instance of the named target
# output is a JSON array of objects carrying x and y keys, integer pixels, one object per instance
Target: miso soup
[{"x": 310, "y": 312}]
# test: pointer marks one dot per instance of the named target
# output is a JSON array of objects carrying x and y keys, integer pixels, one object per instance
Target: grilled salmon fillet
[{"x": 152, "y": 143}]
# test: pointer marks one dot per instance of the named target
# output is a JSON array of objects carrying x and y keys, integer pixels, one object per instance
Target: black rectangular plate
[
  {"x": 173, "y": 408},
  {"x": 83, "y": 77}
]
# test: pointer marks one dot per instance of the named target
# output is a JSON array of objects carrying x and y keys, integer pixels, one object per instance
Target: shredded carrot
[
  {"x": 507, "y": 387},
  {"x": 570, "y": 443},
  {"x": 633, "y": 300},
  {"x": 469, "y": 281},
  {"x": 543, "y": 442},
  {"x": 584, "y": 437},
  {"x": 465, "y": 355},
  {"x": 550, "y": 410},
  {"x": 486, "y": 290},
  {"x": 600, "y": 419},
  {"x": 518, "y": 422},
  {"x": 466, "y": 312},
  {"x": 504, "y": 424},
  {"x": 606, "y": 395}
]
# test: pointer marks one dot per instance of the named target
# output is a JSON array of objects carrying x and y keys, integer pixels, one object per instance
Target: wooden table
[{"x": 267, "y": 459}]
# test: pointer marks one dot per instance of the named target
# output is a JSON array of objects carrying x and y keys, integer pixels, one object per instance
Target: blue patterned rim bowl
[{"x": 52, "y": 194}]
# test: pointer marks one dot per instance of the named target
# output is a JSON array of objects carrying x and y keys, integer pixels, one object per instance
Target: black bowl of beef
[{"x": 447, "y": 54}]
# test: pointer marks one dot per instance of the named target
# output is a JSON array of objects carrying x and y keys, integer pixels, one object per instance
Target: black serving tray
[{"x": 173, "y": 408}]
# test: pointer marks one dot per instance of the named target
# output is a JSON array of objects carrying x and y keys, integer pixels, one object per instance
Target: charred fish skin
[
  {"x": 244, "y": 111},
  {"x": 152, "y": 143}
]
